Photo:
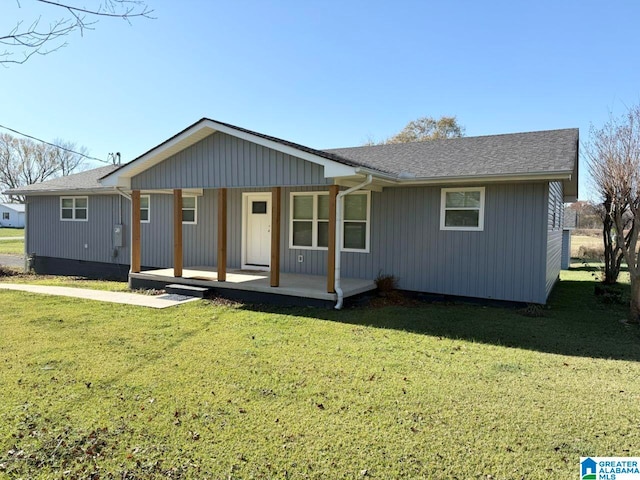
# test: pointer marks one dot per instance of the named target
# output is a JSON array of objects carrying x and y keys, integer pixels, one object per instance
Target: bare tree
[
  {"x": 25, "y": 162},
  {"x": 35, "y": 37},
  {"x": 614, "y": 163},
  {"x": 588, "y": 214},
  {"x": 69, "y": 157}
]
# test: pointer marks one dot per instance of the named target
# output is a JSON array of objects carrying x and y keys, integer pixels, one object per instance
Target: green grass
[
  {"x": 12, "y": 247},
  {"x": 11, "y": 232},
  {"x": 60, "y": 281},
  {"x": 209, "y": 391}
]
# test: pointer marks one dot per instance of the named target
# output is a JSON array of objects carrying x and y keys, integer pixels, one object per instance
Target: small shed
[
  {"x": 12, "y": 215},
  {"x": 570, "y": 217}
]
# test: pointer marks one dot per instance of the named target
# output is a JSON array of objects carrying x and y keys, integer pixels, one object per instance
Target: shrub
[
  {"x": 386, "y": 283},
  {"x": 591, "y": 253}
]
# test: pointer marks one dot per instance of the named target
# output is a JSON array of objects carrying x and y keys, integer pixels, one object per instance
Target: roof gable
[
  {"x": 221, "y": 160},
  {"x": 334, "y": 165}
]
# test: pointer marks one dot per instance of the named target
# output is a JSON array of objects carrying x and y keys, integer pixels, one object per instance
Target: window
[
  {"x": 309, "y": 227},
  {"x": 309, "y": 220},
  {"x": 74, "y": 208},
  {"x": 462, "y": 209},
  {"x": 5, "y": 215},
  {"x": 189, "y": 210},
  {"x": 355, "y": 228},
  {"x": 145, "y": 208},
  {"x": 259, "y": 207}
]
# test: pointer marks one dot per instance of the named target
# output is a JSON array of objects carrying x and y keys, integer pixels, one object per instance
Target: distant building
[{"x": 12, "y": 215}]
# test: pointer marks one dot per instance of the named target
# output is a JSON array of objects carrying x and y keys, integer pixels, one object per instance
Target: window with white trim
[
  {"x": 189, "y": 210},
  {"x": 462, "y": 209},
  {"x": 74, "y": 209},
  {"x": 5, "y": 215},
  {"x": 309, "y": 225},
  {"x": 145, "y": 208},
  {"x": 355, "y": 225},
  {"x": 309, "y": 221}
]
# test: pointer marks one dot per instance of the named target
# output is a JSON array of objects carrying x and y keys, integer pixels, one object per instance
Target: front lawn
[
  {"x": 11, "y": 232},
  {"x": 215, "y": 391},
  {"x": 12, "y": 247}
]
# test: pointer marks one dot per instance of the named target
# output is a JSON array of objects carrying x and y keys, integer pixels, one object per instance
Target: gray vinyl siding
[
  {"x": 505, "y": 261},
  {"x": 51, "y": 237},
  {"x": 221, "y": 160},
  {"x": 555, "y": 210}
]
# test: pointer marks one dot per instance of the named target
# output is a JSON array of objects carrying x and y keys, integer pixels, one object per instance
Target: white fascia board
[
  {"x": 536, "y": 176},
  {"x": 331, "y": 167},
  {"x": 68, "y": 191},
  {"x": 122, "y": 176}
]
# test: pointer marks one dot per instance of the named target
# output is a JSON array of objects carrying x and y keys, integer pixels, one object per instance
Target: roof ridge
[{"x": 439, "y": 140}]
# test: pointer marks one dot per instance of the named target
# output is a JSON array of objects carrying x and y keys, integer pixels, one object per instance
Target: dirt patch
[
  {"x": 8, "y": 272},
  {"x": 394, "y": 298}
]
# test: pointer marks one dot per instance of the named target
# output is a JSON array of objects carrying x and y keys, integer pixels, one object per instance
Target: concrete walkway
[
  {"x": 11, "y": 238},
  {"x": 151, "y": 301}
]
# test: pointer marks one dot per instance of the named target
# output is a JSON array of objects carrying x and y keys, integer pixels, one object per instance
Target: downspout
[
  {"x": 128, "y": 197},
  {"x": 339, "y": 215}
]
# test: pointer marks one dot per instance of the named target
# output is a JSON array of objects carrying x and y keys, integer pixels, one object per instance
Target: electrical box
[{"x": 118, "y": 236}]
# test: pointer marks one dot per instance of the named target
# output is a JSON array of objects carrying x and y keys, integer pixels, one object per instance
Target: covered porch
[
  {"x": 253, "y": 283},
  {"x": 264, "y": 278}
]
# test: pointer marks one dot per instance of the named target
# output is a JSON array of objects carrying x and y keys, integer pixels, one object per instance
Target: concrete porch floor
[{"x": 295, "y": 285}]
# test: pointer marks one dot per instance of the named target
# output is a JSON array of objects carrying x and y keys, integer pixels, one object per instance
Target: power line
[{"x": 88, "y": 157}]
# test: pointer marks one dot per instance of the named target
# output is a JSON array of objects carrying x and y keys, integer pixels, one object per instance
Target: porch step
[{"x": 187, "y": 290}]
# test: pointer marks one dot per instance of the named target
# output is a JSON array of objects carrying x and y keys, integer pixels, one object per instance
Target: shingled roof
[
  {"x": 492, "y": 155},
  {"x": 550, "y": 154},
  {"x": 83, "y": 181}
]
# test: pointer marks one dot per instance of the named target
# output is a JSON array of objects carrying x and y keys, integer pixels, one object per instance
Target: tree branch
[{"x": 34, "y": 40}]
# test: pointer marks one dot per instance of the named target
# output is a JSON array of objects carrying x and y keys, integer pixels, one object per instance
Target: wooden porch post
[
  {"x": 331, "y": 254},
  {"x": 222, "y": 234},
  {"x": 276, "y": 204},
  {"x": 177, "y": 232},
  {"x": 135, "y": 231}
]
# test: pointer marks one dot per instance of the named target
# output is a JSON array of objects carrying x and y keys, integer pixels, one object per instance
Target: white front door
[{"x": 257, "y": 230}]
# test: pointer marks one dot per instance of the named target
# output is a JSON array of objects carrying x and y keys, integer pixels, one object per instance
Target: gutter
[
  {"x": 408, "y": 179},
  {"x": 339, "y": 215},
  {"x": 125, "y": 195}
]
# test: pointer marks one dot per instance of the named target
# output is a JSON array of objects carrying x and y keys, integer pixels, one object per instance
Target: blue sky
[{"x": 327, "y": 74}]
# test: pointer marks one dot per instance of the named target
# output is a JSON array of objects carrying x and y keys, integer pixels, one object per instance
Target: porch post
[
  {"x": 135, "y": 231},
  {"x": 222, "y": 234},
  {"x": 276, "y": 204},
  {"x": 331, "y": 254},
  {"x": 177, "y": 232}
]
